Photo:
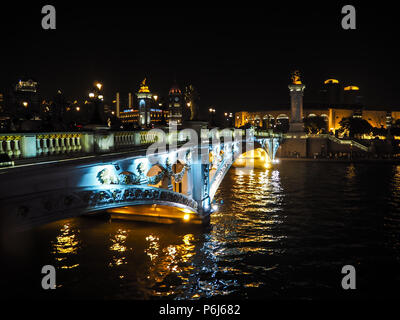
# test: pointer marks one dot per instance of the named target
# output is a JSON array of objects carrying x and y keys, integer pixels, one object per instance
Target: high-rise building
[
  {"x": 145, "y": 112},
  {"x": 175, "y": 105},
  {"x": 351, "y": 95},
  {"x": 331, "y": 92},
  {"x": 26, "y": 97},
  {"x": 145, "y": 103}
]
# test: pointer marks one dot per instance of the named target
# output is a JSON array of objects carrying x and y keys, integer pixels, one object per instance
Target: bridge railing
[
  {"x": 30, "y": 145},
  {"x": 45, "y": 144},
  {"x": 333, "y": 138}
]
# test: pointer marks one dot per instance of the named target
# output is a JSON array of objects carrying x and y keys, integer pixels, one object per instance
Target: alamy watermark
[
  {"x": 349, "y": 20},
  {"x": 49, "y": 280},
  {"x": 49, "y": 20},
  {"x": 349, "y": 280},
  {"x": 228, "y": 143}
]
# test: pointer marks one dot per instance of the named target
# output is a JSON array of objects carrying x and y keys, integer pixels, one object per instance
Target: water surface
[{"x": 281, "y": 233}]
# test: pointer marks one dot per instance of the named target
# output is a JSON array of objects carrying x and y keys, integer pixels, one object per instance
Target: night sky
[{"x": 238, "y": 58}]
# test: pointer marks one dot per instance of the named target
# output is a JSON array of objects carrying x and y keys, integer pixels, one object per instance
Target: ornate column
[{"x": 296, "y": 103}]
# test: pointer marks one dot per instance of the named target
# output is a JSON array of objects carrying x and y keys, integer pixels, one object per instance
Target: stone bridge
[{"x": 63, "y": 175}]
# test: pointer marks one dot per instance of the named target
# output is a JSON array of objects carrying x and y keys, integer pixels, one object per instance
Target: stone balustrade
[
  {"x": 31, "y": 145},
  {"x": 11, "y": 145},
  {"x": 44, "y": 144}
]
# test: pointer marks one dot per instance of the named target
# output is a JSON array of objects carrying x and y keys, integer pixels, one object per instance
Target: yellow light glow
[
  {"x": 258, "y": 159},
  {"x": 91, "y": 95},
  {"x": 155, "y": 98},
  {"x": 99, "y": 85},
  {"x": 155, "y": 213},
  {"x": 351, "y": 88},
  {"x": 331, "y": 81},
  {"x": 143, "y": 87},
  {"x": 77, "y": 108},
  {"x": 25, "y": 104}
]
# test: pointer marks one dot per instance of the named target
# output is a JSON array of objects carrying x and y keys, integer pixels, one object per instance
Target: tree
[
  {"x": 315, "y": 125},
  {"x": 354, "y": 126},
  {"x": 282, "y": 126}
]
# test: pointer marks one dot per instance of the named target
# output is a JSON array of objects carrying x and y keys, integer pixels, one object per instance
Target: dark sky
[{"x": 237, "y": 57}]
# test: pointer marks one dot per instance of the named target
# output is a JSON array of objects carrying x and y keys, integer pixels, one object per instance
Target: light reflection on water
[
  {"x": 283, "y": 232},
  {"x": 66, "y": 246}
]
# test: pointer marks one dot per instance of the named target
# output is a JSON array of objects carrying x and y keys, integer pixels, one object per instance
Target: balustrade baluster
[
  {"x": 78, "y": 144},
  {"x": 17, "y": 151},
  {"x": 9, "y": 151},
  {"x": 57, "y": 148},
  {"x": 73, "y": 147},
  {"x": 63, "y": 147},
  {"x": 45, "y": 148},
  {"x": 51, "y": 147},
  {"x": 68, "y": 144},
  {"x": 1, "y": 147},
  {"x": 39, "y": 149}
]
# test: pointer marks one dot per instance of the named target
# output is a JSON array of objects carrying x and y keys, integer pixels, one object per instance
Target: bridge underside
[
  {"x": 37, "y": 209},
  {"x": 259, "y": 154},
  {"x": 158, "y": 213}
]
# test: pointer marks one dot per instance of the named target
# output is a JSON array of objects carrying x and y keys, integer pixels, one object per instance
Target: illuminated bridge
[{"x": 63, "y": 175}]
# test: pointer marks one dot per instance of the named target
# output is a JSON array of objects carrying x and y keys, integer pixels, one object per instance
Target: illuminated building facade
[
  {"x": 26, "y": 96},
  {"x": 336, "y": 105},
  {"x": 175, "y": 105},
  {"x": 145, "y": 113}
]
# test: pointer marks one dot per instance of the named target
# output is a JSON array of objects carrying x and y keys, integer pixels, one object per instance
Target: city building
[
  {"x": 25, "y": 98},
  {"x": 336, "y": 104},
  {"x": 175, "y": 105},
  {"x": 146, "y": 112}
]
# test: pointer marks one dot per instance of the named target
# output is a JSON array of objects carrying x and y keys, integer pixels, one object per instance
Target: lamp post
[
  {"x": 98, "y": 118},
  {"x": 212, "y": 115}
]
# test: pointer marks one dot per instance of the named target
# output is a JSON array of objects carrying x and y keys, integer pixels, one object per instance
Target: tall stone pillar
[
  {"x": 201, "y": 187},
  {"x": 117, "y": 107},
  {"x": 296, "y": 103},
  {"x": 129, "y": 100}
]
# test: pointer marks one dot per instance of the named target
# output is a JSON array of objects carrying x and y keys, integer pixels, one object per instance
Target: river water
[{"x": 280, "y": 233}]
